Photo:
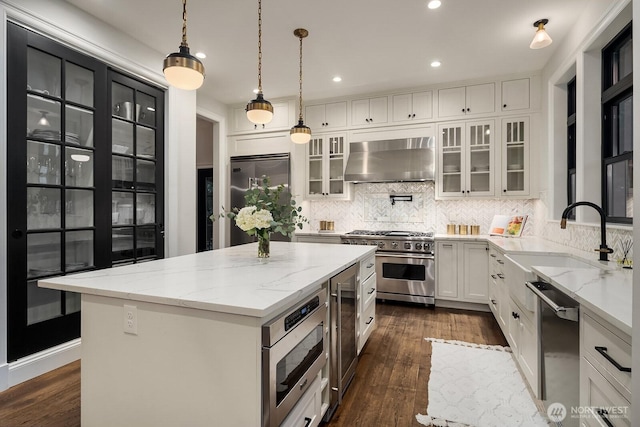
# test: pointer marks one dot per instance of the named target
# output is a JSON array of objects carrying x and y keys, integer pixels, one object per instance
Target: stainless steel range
[{"x": 405, "y": 263}]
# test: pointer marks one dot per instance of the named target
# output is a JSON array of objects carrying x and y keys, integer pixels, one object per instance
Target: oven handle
[{"x": 401, "y": 255}]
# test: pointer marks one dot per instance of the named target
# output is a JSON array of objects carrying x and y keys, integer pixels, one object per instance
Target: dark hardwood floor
[{"x": 389, "y": 389}]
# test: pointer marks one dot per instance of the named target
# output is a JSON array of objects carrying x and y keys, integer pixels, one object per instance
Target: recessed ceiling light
[
  {"x": 436, "y": 64},
  {"x": 201, "y": 55},
  {"x": 337, "y": 79},
  {"x": 434, "y": 4}
]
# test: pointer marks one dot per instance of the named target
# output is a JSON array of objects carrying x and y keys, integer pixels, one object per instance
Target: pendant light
[
  {"x": 43, "y": 119},
  {"x": 259, "y": 110},
  {"x": 181, "y": 69},
  {"x": 300, "y": 134},
  {"x": 541, "y": 38}
]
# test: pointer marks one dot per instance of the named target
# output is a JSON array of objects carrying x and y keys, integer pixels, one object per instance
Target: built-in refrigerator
[{"x": 246, "y": 172}]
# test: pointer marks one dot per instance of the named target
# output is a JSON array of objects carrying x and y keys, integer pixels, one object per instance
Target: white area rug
[{"x": 477, "y": 385}]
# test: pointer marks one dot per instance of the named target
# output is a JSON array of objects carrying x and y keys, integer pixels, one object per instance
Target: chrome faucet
[{"x": 604, "y": 249}]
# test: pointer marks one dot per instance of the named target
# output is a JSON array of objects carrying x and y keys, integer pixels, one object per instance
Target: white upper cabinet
[
  {"x": 283, "y": 118},
  {"x": 326, "y": 116},
  {"x": 515, "y": 95},
  {"x": 466, "y": 100},
  {"x": 326, "y": 159},
  {"x": 515, "y": 157},
  {"x": 372, "y": 111},
  {"x": 466, "y": 159},
  {"x": 412, "y": 106}
]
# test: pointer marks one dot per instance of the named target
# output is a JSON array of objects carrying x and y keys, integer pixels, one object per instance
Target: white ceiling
[{"x": 374, "y": 45}]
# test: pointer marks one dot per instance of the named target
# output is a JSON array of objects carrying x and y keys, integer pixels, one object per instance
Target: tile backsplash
[{"x": 372, "y": 209}]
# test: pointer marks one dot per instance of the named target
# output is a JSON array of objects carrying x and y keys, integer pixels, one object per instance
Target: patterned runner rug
[{"x": 479, "y": 386}]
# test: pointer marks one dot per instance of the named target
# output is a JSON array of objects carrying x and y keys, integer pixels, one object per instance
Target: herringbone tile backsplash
[{"x": 371, "y": 208}]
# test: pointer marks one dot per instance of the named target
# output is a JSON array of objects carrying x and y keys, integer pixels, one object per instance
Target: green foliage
[{"x": 286, "y": 215}]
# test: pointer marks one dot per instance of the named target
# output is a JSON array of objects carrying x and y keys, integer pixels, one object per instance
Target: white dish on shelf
[
  {"x": 451, "y": 168},
  {"x": 120, "y": 149},
  {"x": 482, "y": 168},
  {"x": 514, "y": 167}
]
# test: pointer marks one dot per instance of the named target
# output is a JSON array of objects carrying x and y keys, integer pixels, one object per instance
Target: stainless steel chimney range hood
[{"x": 392, "y": 160}]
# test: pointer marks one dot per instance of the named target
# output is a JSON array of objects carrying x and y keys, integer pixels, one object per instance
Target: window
[
  {"x": 617, "y": 128},
  {"x": 571, "y": 145}
]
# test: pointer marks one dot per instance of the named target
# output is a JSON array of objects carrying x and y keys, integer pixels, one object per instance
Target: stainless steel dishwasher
[{"x": 559, "y": 334}]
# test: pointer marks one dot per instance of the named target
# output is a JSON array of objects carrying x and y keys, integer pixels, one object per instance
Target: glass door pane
[{"x": 336, "y": 164}]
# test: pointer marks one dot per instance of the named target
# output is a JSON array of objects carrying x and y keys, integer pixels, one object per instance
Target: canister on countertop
[
  {"x": 451, "y": 229},
  {"x": 463, "y": 229},
  {"x": 323, "y": 225},
  {"x": 330, "y": 225},
  {"x": 475, "y": 229}
]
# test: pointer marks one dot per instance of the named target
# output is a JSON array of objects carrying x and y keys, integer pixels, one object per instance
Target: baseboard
[
  {"x": 39, "y": 363},
  {"x": 4, "y": 376},
  {"x": 462, "y": 305}
]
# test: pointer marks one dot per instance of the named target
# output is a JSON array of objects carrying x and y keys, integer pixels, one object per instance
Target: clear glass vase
[{"x": 263, "y": 244}]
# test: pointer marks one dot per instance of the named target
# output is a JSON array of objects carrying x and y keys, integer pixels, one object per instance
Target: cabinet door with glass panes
[
  {"x": 56, "y": 99},
  {"x": 515, "y": 156},
  {"x": 326, "y": 160},
  {"x": 465, "y": 159},
  {"x": 136, "y": 170}
]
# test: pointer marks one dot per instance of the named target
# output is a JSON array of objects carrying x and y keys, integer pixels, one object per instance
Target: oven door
[
  {"x": 406, "y": 277},
  {"x": 290, "y": 366}
]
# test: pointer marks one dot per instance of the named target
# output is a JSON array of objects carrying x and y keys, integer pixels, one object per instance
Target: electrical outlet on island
[{"x": 130, "y": 319}]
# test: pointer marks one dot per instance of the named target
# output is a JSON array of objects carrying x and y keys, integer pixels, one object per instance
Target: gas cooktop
[{"x": 390, "y": 233}]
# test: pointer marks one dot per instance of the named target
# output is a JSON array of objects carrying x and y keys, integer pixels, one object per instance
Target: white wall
[{"x": 70, "y": 26}]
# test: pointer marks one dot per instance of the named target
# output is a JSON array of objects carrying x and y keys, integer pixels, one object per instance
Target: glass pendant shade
[
  {"x": 43, "y": 120},
  {"x": 300, "y": 134},
  {"x": 541, "y": 38},
  {"x": 259, "y": 110},
  {"x": 183, "y": 70}
]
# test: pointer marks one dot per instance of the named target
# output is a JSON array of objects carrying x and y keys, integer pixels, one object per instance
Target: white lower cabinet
[
  {"x": 366, "y": 302},
  {"x": 605, "y": 377},
  {"x": 518, "y": 321},
  {"x": 462, "y": 271},
  {"x": 307, "y": 412}
]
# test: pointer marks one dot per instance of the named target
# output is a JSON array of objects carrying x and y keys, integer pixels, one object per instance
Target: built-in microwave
[{"x": 293, "y": 352}]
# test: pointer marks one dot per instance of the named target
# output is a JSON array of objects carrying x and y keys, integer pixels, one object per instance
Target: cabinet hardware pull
[
  {"x": 447, "y": 245},
  {"x": 463, "y": 110},
  {"x": 307, "y": 421},
  {"x": 371, "y": 291},
  {"x": 504, "y": 191},
  {"x": 604, "y": 415},
  {"x": 334, "y": 295},
  {"x": 493, "y": 302},
  {"x": 493, "y": 276},
  {"x": 515, "y": 315},
  {"x": 370, "y": 265},
  {"x": 492, "y": 255},
  {"x": 303, "y": 383},
  {"x": 16, "y": 234},
  {"x": 500, "y": 261},
  {"x": 370, "y": 320},
  {"x": 468, "y": 109},
  {"x": 603, "y": 352},
  {"x": 413, "y": 115},
  {"x": 500, "y": 275},
  {"x": 408, "y": 116},
  {"x": 504, "y": 106}
]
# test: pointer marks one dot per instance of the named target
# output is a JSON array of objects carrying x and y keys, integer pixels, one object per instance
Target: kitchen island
[{"x": 191, "y": 353}]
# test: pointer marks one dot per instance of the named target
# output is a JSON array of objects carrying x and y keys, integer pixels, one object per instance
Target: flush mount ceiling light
[
  {"x": 541, "y": 38},
  {"x": 43, "y": 120},
  {"x": 436, "y": 64},
  {"x": 259, "y": 110},
  {"x": 181, "y": 69},
  {"x": 337, "y": 79},
  {"x": 300, "y": 134},
  {"x": 434, "y": 4}
]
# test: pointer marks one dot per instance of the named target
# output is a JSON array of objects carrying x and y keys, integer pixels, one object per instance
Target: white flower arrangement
[{"x": 250, "y": 218}]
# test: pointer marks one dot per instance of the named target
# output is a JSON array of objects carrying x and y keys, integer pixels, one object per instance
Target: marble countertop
[
  {"x": 605, "y": 289},
  {"x": 605, "y": 292},
  {"x": 230, "y": 280}
]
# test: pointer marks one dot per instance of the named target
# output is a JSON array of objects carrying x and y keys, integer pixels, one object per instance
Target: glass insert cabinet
[{"x": 84, "y": 180}]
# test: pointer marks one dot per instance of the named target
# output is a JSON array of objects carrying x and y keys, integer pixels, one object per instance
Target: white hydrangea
[{"x": 249, "y": 218}]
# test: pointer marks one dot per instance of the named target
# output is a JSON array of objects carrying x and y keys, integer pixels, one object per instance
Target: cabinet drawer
[
  {"x": 307, "y": 410},
  {"x": 598, "y": 341},
  {"x": 367, "y": 267},
  {"x": 597, "y": 394},
  {"x": 368, "y": 291},
  {"x": 367, "y": 321}
]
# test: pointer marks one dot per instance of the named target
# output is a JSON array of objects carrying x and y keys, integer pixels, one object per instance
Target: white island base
[{"x": 195, "y": 356}]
